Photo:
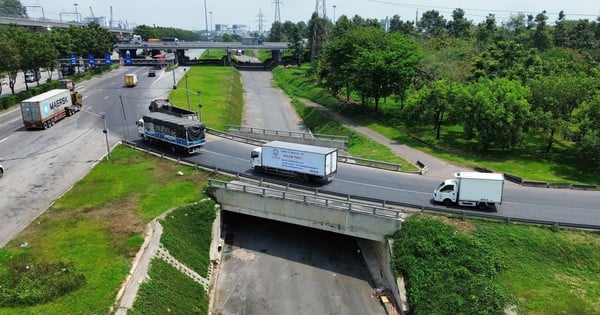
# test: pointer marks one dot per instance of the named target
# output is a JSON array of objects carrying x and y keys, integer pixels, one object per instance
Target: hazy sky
[{"x": 190, "y": 15}]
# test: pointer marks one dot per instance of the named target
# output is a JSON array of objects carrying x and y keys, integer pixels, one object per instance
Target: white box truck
[
  {"x": 131, "y": 79},
  {"x": 471, "y": 189},
  {"x": 43, "y": 110},
  {"x": 296, "y": 160}
]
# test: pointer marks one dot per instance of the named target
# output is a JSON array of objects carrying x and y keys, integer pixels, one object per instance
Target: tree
[
  {"x": 318, "y": 30},
  {"x": 486, "y": 30},
  {"x": 12, "y": 8},
  {"x": 588, "y": 137},
  {"x": 541, "y": 37},
  {"x": 459, "y": 27},
  {"x": 277, "y": 33},
  {"x": 497, "y": 113},
  {"x": 385, "y": 66},
  {"x": 11, "y": 58},
  {"x": 433, "y": 104},
  {"x": 431, "y": 24},
  {"x": 342, "y": 25},
  {"x": 560, "y": 30},
  {"x": 402, "y": 27},
  {"x": 554, "y": 99}
]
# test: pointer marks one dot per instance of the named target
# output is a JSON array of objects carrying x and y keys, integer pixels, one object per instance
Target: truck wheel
[
  {"x": 45, "y": 125},
  {"x": 447, "y": 202},
  {"x": 482, "y": 205}
]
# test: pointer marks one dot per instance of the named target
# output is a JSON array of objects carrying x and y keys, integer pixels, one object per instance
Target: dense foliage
[
  {"x": 525, "y": 84},
  {"x": 24, "y": 50},
  {"x": 447, "y": 272}
]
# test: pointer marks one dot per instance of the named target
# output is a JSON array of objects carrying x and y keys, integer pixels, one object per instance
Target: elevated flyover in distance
[
  {"x": 45, "y": 24},
  {"x": 179, "y": 48}
]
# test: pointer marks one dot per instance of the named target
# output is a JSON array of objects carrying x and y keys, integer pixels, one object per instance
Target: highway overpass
[{"x": 39, "y": 24}]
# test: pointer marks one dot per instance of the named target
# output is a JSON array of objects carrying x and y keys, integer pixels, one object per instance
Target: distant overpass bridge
[
  {"x": 39, "y": 24},
  {"x": 179, "y": 48}
]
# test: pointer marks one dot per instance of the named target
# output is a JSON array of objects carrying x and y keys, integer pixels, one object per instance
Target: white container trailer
[
  {"x": 43, "y": 110},
  {"x": 295, "y": 159},
  {"x": 471, "y": 189}
]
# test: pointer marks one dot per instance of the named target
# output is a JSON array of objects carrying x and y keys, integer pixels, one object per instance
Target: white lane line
[{"x": 3, "y": 140}]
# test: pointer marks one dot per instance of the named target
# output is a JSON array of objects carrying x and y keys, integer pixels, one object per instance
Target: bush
[
  {"x": 29, "y": 283},
  {"x": 447, "y": 272}
]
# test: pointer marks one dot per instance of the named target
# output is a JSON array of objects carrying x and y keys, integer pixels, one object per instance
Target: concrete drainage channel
[{"x": 152, "y": 248}]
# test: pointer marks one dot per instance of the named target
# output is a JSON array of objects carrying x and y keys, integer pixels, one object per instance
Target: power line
[
  {"x": 450, "y": 10},
  {"x": 277, "y": 10}
]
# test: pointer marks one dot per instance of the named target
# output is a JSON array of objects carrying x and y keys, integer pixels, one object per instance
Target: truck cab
[
  {"x": 255, "y": 158},
  {"x": 446, "y": 192}
]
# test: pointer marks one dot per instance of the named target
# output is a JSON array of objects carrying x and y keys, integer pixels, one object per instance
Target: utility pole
[
  {"x": 187, "y": 92},
  {"x": 205, "y": 16},
  {"x": 105, "y": 131}
]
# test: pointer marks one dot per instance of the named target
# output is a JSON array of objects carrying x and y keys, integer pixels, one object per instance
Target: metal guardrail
[
  {"x": 288, "y": 133},
  {"x": 359, "y": 199},
  {"x": 307, "y": 199}
]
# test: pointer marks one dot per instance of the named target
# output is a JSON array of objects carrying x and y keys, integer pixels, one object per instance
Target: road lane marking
[{"x": 3, "y": 140}]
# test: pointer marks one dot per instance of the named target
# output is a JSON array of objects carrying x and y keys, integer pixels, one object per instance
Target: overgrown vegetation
[
  {"x": 480, "y": 267},
  {"x": 28, "y": 283},
  {"x": 447, "y": 272},
  {"x": 169, "y": 291},
  {"x": 187, "y": 234}
]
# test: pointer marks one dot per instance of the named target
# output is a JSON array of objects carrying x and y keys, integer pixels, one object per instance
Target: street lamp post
[
  {"x": 76, "y": 13},
  {"x": 187, "y": 92},
  {"x": 200, "y": 104},
  {"x": 334, "y": 13},
  {"x": 211, "y": 24},
  {"x": 105, "y": 131}
]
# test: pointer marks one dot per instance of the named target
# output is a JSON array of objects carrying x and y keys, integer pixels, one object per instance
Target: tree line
[
  {"x": 24, "y": 50},
  {"x": 500, "y": 84}
]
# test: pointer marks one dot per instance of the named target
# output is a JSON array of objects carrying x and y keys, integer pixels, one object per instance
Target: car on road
[
  {"x": 32, "y": 76},
  {"x": 151, "y": 72}
]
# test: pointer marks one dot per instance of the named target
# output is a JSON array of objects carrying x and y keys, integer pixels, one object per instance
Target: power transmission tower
[
  {"x": 321, "y": 9},
  {"x": 261, "y": 21},
  {"x": 277, "y": 10}
]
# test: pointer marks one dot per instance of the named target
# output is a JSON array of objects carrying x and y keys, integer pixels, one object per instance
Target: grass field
[
  {"x": 97, "y": 226},
  {"x": 528, "y": 163},
  {"x": 548, "y": 271}
]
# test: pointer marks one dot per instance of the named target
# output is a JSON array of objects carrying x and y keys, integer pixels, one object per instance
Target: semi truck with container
[
  {"x": 43, "y": 110},
  {"x": 296, "y": 160},
  {"x": 178, "y": 133},
  {"x": 471, "y": 189},
  {"x": 162, "y": 105}
]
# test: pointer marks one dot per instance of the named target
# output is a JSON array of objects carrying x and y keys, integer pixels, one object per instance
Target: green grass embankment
[{"x": 475, "y": 267}]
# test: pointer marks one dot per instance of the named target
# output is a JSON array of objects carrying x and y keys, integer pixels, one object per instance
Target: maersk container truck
[
  {"x": 471, "y": 189},
  {"x": 297, "y": 160},
  {"x": 43, "y": 110},
  {"x": 180, "y": 134}
]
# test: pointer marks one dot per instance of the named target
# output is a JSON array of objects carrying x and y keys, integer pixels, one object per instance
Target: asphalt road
[{"x": 41, "y": 165}]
